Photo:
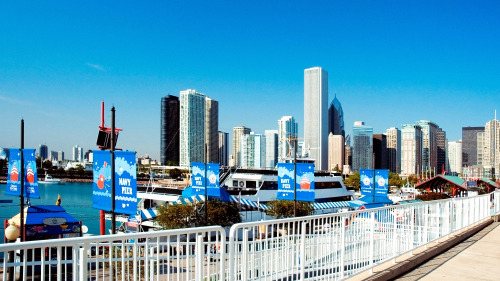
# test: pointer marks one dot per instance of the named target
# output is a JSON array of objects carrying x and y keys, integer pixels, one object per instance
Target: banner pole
[
  {"x": 113, "y": 217},
  {"x": 206, "y": 193},
  {"x": 295, "y": 178},
  {"x": 21, "y": 197}
]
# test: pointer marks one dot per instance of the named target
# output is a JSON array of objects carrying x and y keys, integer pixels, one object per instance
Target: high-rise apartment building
[
  {"x": 441, "y": 144},
  {"x": 43, "y": 152},
  {"x": 470, "y": 147},
  {"x": 271, "y": 148},
  {"x": 212, "y": 130},
  {"x": 192, "y": 127},
  {"x": 238, "y": 132},
  {"x": 336, "y": 118},
  {"x": 77, "y": 154},
  {"x": 429, "y": 145},
  {"x": 362, "y": 154},
  {"x": 480, "y": 148},
  {"x": 454, "y": 166},
  {"x": 316, "y": 116},
  {"x": 335, "y": 152},
  {"x": 253, "y": 151},
  {"x": 287, "y": 136},
  {"x": 380, "y": 151},
  {"x": 411, "y": 149},
  {"x": 223, "y": 149},
  {"x": 491, "y": 154},
  {"x": 394, "y": 149},
  {"x": 169, "y": 134}
]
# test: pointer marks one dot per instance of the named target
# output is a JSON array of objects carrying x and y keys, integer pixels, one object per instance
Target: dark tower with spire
[{"x": 336, "y": 118}]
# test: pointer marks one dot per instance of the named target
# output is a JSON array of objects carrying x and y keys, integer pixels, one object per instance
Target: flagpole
[
  {"x": 113, "y": 216},
  {"x": 21, "y": 197}
]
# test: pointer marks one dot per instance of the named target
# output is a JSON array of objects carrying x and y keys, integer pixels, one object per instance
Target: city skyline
[{"x": 388, "y": 63}]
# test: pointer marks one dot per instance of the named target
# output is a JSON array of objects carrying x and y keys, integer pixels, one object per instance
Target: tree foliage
[
  {"x": 353, "y": 181},
  {"x": 183, "y": 216},
  {"x": 284, "y": 208},
  {"x": 174, "y": 173},
  {"x": 429, "y": 196},
  {"x": 395, "y": 180}
]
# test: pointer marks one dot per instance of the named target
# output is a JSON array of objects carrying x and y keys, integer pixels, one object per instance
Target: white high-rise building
[
  {"x": 491, "y": 150},
  {"x": 253, "y": 151},
  {"x": 455, "y": 157},
  {"x": 429, "y": 145},
  {"x": 316, "y": 116},
  {"x": 411, "y": 149},
  {"x": 192, "y": 127},
  {"x": 77, "y": 154},
  {"x": 271, "y": 148},
  {"x": 287, "y": 136},
  {"x": 238, "y": 132},
  {"x": 394, "y": 149}
]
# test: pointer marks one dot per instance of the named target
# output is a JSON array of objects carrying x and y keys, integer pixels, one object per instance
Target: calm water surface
[{"x": 76, "y": 198}]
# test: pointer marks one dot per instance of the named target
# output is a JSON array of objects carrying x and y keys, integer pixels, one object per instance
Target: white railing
[{"x": 330, "y": 246}]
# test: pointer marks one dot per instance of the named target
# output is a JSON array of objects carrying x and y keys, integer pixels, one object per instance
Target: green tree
[
  {"x": 174, "y": 173},
  {"x": 353, "y": 181},
  {"x": 395, "y": 180},
  {"x": 429, "y": 196},
  {"x": 176, "y": 216},
  {"x": 284, "y": 208}
]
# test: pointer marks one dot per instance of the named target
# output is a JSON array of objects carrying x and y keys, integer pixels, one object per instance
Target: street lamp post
[{"x": 11, "y": 234}]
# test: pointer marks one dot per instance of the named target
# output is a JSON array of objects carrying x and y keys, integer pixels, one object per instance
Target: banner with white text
[
  {"x": 198, "y": 178},
  {"x": 381, "y": 183},
  {"x": 213, "y": 189},
  {"x": 285, "y": 181},
  {"x": 366, "y": 181},
  {"x": 125, "y": 182}
]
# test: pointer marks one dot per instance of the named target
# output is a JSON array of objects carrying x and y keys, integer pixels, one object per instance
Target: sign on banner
[
  {"x": 213, "y": 188},
  {"x": 14, "y": 171},
  {"x": 198, "y": 178},
  {"x": 366, "y": 180},
  {"x": 101, "y": 190},
  {"x": 305, "y": 182},
  {"x": 31, "y": 178},
  {"x": 285, "y": 181},
  {"x": 125, "y": 182},
  {"x": 381, "y": 183}
]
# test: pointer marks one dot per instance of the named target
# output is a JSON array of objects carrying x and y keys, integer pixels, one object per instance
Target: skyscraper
[
  {"x": 470, "y": 148},
  {"x": 43, "y": 152},
  {"x": 253, "y": 151},
  {"x": 271, "y": 148},
  {"x": 212, "y": 130},
  {"x": 411, "y": 149},
  {"x": 429, "y": 145},
  {"x": 362, "y": 154},
  {"x": 336, "y": 118},
  {"x": 223, "y": 149},
  {"x": 454, "y": 165},
  {"x": 491, "y": 155},
  {"x": 192, "y": 127},
  {"x": 287, "y": 136},
  {"x": 77, "y": 154},
  {"x": 316, "y": 116},
  {"x": 238, "y": 132},
  {"x": 335, "y": 152},
  {"x": 169, "y": 135},
  {"x": 380, "y": 151},
  {"x": 394, "y": 149},
  {"x": 441, "y": 144}
]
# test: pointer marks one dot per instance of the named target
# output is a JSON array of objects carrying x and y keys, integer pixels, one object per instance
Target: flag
[{"x": 58, "y": 202}]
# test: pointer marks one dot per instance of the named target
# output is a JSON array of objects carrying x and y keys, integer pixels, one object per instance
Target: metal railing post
[
  {"x": 199, "y": 258},
  {"x": 372, "y": 242},
  {"x": 83, "y": 262},
  {"x": 302, "y": 252},
  {"x": 344, "y": 222}
]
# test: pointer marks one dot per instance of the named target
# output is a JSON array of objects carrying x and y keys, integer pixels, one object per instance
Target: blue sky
[{"x": 389, "y": 62}]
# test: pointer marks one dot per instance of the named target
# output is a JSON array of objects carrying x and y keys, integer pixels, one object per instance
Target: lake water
[{"x": 76, "y": 199}]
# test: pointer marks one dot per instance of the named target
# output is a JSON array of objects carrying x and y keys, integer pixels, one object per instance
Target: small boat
[{"x": 50, "y": 180}]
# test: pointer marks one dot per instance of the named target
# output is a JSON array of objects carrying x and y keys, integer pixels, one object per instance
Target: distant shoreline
[{"x": 3, "y": 180}]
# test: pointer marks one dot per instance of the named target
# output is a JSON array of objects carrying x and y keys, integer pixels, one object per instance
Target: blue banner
[
  {"x": 381, "y": 183},
  {"x": 366, "y": 180},
  {"x": 305, "y": 182},
  {"x": 198, "y": 178},
  {"x": 13, "y": 174},
  {"x": 101, "y": 190},
  {"x": 31, "y": 178},
  {"x": 285, "y": 181},
  {"x": 125, "y": 182},
  {"x": 213, "y": 188}
]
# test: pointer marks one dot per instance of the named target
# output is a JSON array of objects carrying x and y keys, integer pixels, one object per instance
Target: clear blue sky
[{"x": 389, "y": 62}]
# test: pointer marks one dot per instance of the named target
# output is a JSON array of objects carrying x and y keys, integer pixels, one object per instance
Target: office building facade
[
  {"x": 43, "y": 152},
  {"x": 192, "y": 127},
  {"x": 335, "y": 152},
  {"x": 470, "y": 148},
  {"x": 491, "y": 151},
  {"x": 441, "y": 145},
  {"x": 429, "y": 145},
  {"x": 238, "y": 132},
  {"x": 454, "y": 162},
  {"x": 287, "y": 137},
  {"x": 316, "y": 116},
  {"x": 380, "y": 151},
  {"x": 169, "y": 133},
  {"x": 271, "y": 148},
  {"x": 394, "y": 149},
  {"x": 336, "y": 118},
  {"x": 223, "y": 148},
  {"x": 253, "y": 151},
  {"x": 77, "y": 154},
  {"x": 212, "y": 130},
  {"x": 411, "y": 149},
  {"x": 362, "y": 146}
]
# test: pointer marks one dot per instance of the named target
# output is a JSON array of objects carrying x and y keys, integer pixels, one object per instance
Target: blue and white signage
[
  {"x": 366, "y": 180},
  {"x": 381, "y": 183},
  {"x": 14, "y": 171},
  {"x": 30, "y": 178},
  {"x": 285, "y": 181},
  {"x": 213, "y": 189},
  {"x": 305, "y": 182},
  {"x": 125, "y": 182},
  {"x": 198, "y": 178},
  {"x": 101, "y": 190}
]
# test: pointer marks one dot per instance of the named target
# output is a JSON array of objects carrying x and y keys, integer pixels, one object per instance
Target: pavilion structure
[{"x": 455, "y": 186}]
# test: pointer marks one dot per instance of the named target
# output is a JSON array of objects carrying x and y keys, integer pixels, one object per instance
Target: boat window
[
  {"x": 325, "y": 185},
  {"x": 251, "y": 184},
  {"x": 235, "y": 183},
  {"x": 270, "y": 185}
]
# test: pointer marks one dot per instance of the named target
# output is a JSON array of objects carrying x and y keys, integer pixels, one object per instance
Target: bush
[
  {"x": 429, "y": 196},
  {"x": 284, "y": 208}
]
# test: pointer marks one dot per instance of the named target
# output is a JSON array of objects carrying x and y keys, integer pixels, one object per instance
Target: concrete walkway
[{"x": 476, "y": 258}]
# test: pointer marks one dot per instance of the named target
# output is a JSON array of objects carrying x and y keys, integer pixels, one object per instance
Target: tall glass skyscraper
[
  {"x": 192, "y": 127},
  {"x": 212, "y": 130},
  {"x": 43, "y": 152},
  {"x": 470, "y": 148},
  {"x": 362, "y": 138},
  {"x": 253, "y": 151},
  {"x": 429, "y": 145},
  {"x": 223, "y": 149},
  {"x": 411, "y": 149},
  {"x": 336, "y": 118},
  {"x": 316, "y": 116},
  {"x": 287, "y": 136},
  {"x": 169, "y": 135},
  {"x": 394, "y": 149}
]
